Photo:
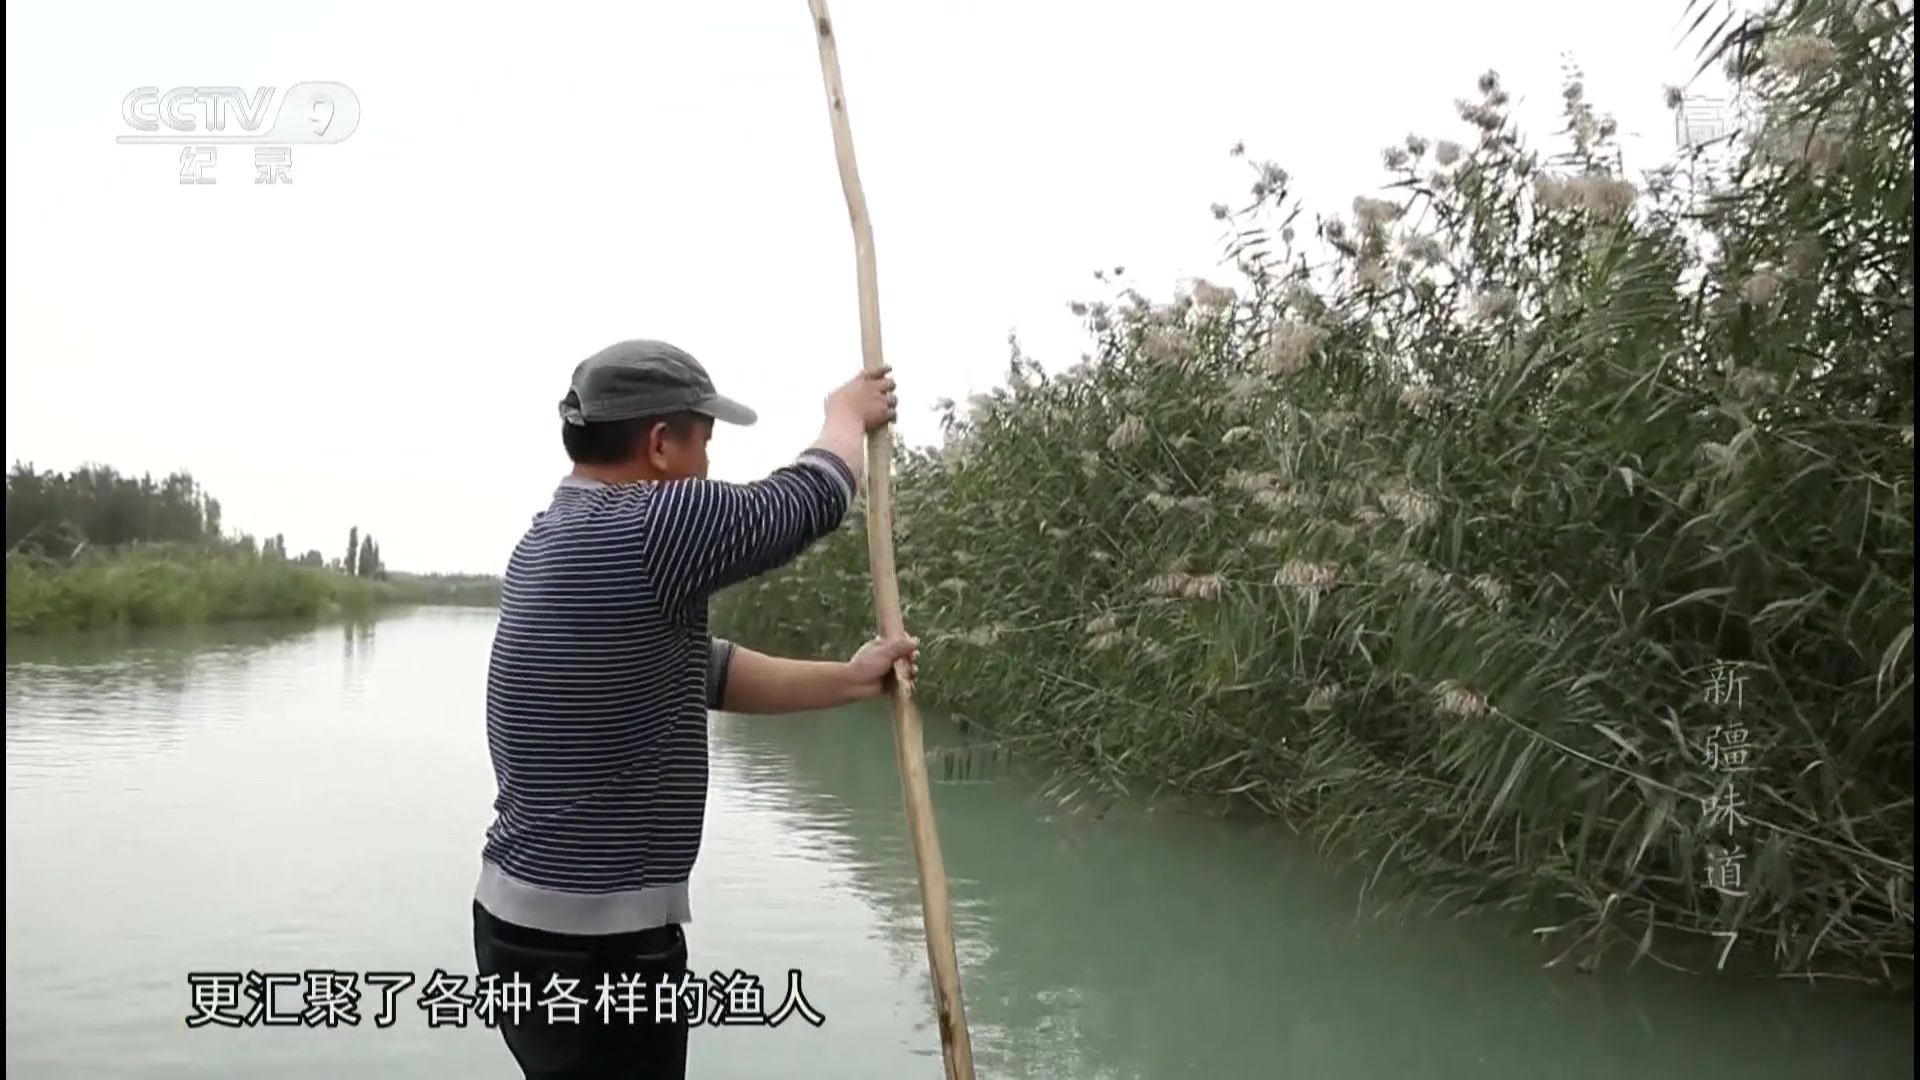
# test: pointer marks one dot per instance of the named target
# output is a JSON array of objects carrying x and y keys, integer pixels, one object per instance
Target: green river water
[{"x": 293, "y": 801}]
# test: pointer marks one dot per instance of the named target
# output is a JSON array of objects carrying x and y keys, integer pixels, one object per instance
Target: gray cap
[{"x": 645, "y": 378}]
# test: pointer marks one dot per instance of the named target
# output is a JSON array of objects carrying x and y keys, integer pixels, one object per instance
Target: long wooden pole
[{"x": 955, "y": 1045}]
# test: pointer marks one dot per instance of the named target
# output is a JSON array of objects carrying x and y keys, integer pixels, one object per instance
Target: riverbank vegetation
[
  {"x": 94, "y": 548},
  {"x": 1537, "y": 534}
]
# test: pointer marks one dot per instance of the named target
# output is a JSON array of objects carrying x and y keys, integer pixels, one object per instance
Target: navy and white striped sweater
[{"x": 601, "y": 677}]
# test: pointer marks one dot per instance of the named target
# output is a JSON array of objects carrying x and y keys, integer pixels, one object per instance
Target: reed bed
[
  {"x": 162, "y": 585},
  {"x": 1535, "y": 534}
]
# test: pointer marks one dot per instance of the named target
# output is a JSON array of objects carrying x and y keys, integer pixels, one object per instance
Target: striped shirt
[{"x": 601, "y": 678}]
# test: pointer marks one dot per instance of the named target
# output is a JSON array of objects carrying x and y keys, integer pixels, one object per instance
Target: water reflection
[
  {"x": 225, "y": 800},
  {"x": 234, "y": 800},
  {"x": 1153, "y": 943},
  {"x": 108, "y": 688}
]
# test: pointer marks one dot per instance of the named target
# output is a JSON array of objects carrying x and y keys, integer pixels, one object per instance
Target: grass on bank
[
  {"x": 1541, "y": 536},
  {"x": 159, "y": 585}
]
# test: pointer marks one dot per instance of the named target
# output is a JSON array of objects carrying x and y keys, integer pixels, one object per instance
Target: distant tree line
[
  {"x": 47, "y": 511},
  {"x": 60, "y": 514}
]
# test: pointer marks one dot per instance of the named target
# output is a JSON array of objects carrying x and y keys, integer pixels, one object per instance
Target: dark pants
[{"x": 601, "y": 1040}]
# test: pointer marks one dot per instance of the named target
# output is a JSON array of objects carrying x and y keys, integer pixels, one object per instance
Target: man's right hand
[{"x": 866, "y": 400}]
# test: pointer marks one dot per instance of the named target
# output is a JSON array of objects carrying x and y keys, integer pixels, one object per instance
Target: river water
[{"x": 281, "y": 802}]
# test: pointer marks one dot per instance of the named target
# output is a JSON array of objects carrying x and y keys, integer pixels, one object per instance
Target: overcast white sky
[{"x": 383, "y": 342}]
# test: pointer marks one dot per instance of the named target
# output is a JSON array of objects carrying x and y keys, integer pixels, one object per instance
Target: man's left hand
[{"x": 871, "y": 669}]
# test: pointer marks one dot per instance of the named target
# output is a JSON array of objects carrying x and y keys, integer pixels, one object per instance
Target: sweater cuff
[
  {"x": 830, "y": 463},
  {"x": 719, "y": 660}
]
